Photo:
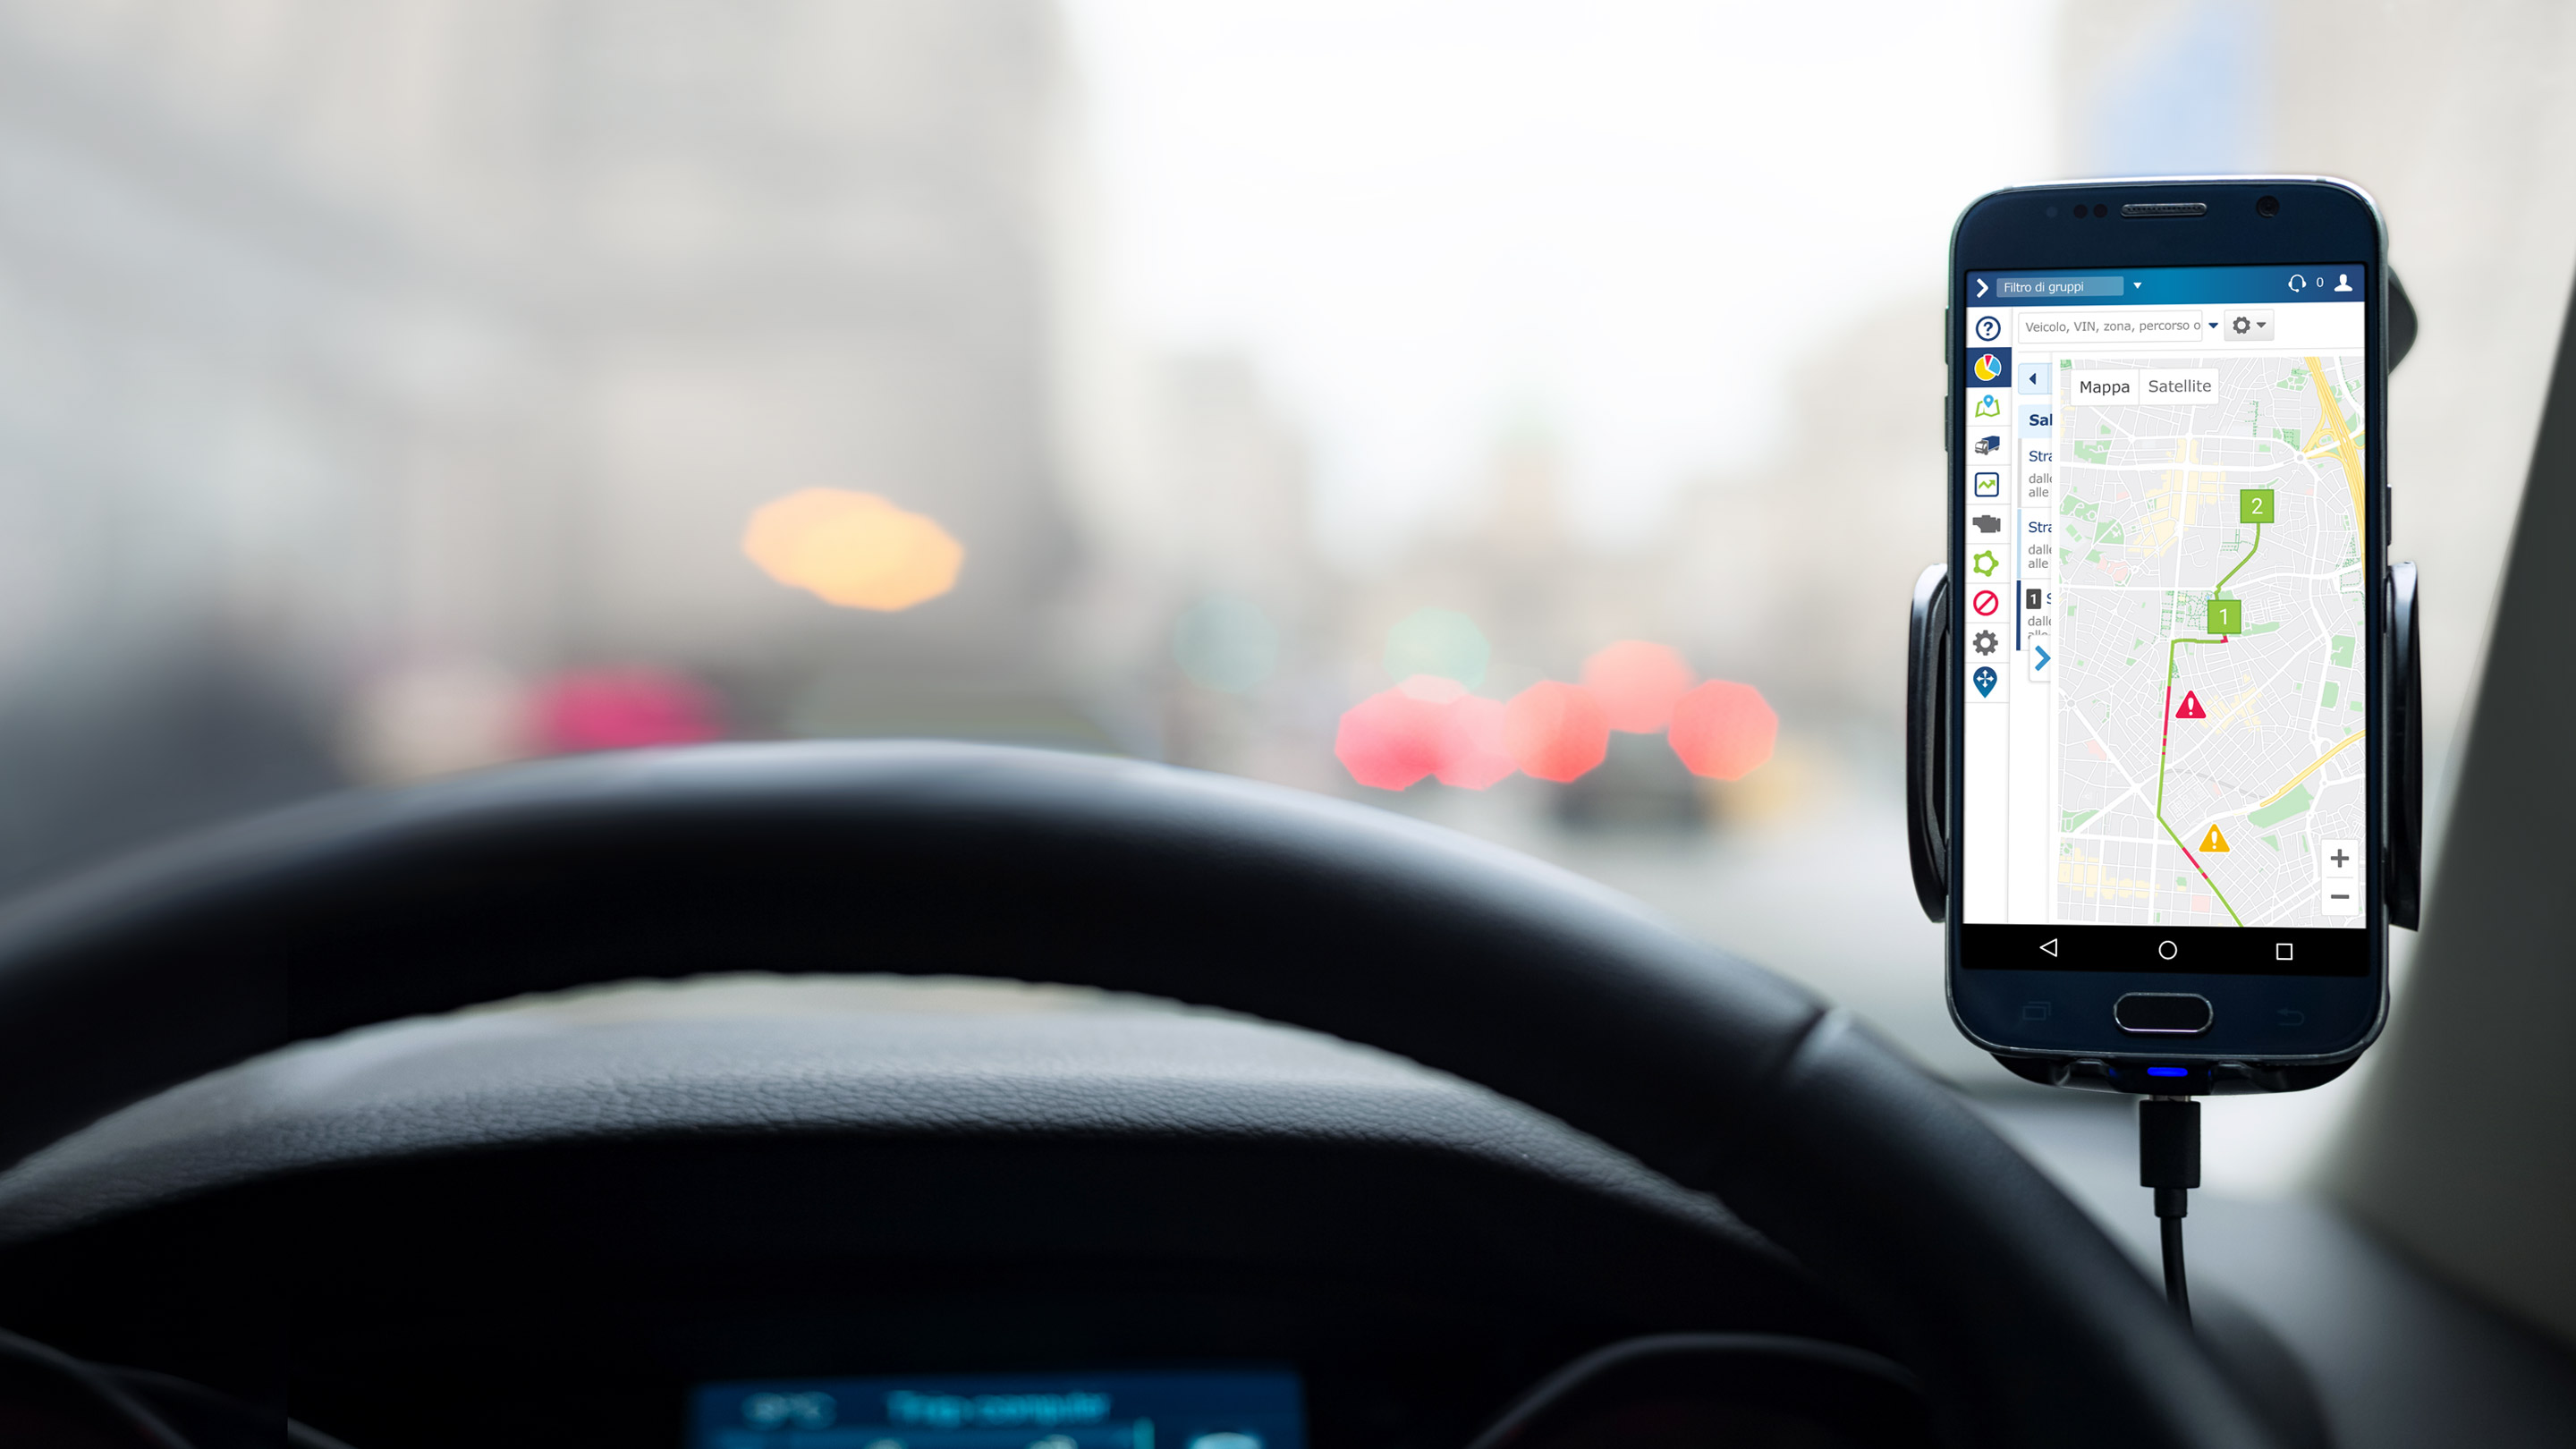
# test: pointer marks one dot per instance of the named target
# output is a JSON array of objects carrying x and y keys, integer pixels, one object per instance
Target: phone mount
[{"x": 1932, "y": 668}]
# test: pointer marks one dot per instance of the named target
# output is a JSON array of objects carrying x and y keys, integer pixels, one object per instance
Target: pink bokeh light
[
  {"x": 1724, "y": 730},
  {"x": 1473, "y": 751},
  {"x": 1556, "y": 731},
  {"x": 1637, "y": 684},
  {"x": 1426, "y": 726},
  {"x": 622, "y": 709},
  {"x": 1390, "y": 739}
]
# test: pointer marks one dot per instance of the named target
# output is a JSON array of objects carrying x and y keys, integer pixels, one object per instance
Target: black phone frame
[{"x": 2316, "y": 220}]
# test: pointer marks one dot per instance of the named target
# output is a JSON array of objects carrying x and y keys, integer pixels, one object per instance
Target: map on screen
[{"x": 2211, "y": 625}]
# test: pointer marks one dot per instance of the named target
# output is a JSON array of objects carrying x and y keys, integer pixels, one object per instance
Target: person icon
[{"x": 2343, "y": 281}]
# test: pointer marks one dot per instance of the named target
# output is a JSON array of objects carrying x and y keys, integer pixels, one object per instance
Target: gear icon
[
  {"x": 1985, "y": 563},
  {"x": 1985, "y": 641},
  {"x": 2243, "y": 324}
]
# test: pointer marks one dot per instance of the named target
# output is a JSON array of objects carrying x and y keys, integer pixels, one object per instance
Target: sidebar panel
[
  {"x": 1987, "y": 683},
  {"x": 2030, "y": 830}
]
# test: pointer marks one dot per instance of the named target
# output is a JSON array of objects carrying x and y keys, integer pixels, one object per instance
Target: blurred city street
[{"x": 1517, "y": 416}]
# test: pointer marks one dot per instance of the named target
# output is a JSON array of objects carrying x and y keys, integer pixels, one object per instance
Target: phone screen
[{"x": 2164, "y": 646}]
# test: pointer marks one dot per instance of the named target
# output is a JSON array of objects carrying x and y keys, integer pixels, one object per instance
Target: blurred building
[
  {"x": 380, "y": 358},
  {"x": 1798, "y": 572},
  {"x": 1235, "y": 586}
]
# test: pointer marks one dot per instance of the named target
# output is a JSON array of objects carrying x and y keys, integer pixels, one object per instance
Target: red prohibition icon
[{"x": 1985, "y": 602}]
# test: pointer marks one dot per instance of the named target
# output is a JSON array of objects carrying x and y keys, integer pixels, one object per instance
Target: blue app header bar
[{"x": 2168, "y": 286}]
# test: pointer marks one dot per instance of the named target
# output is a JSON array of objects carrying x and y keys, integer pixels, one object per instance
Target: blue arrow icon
[
  {"x": 2043, "y": 658},
  {"x": 1984, "y": 679}
]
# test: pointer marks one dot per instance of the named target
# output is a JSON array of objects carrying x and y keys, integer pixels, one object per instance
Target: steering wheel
[{"x": 2028, "y": 1326}]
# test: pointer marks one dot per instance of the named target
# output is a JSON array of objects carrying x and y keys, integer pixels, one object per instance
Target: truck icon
[{"x": 1989, "y": 443}]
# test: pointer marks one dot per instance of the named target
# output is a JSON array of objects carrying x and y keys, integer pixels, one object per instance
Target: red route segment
[{"x": 2164, "y": 746}]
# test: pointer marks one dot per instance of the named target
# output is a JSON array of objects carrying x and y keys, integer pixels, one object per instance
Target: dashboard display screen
[{"x": 1200, "y": 1409}]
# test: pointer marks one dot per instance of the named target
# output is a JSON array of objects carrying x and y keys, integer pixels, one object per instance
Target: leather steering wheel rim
[{"x": 921, "y": 858}]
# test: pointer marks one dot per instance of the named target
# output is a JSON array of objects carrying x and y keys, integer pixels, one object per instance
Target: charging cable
[{"x": 2169, "y": 1162}]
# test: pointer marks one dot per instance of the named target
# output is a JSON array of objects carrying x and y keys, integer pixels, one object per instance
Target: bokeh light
[
  {"x": 1637, "y": 684},
  {"x": 1441, "y": 642},
  {"x": 1225, "y": 642},
  {"x": 1473, "y": 752},
  {"x": 1390, "y": 739},
  {"x": 853, "y": 549},
  {"x": 1428, "y": 725},
  {"x": 1556, "y": 731},
  {"x": 1724, "y": 730},
  {"x": 622, "y": 709}
]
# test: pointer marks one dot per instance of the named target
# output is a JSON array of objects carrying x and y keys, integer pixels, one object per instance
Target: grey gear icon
[
  {"x": 1985, "y": 641},
  {"x": 2244, "y": 324}
]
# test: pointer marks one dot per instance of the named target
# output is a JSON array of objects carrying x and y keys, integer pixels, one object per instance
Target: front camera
[{"x": 2267, "y": 206}]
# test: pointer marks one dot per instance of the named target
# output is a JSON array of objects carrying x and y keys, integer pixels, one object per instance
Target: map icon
[{"x": 1984, "y": 679}]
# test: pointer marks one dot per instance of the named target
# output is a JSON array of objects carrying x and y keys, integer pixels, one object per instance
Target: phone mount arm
[
  {"x": 1928, "y": 668},
  {"x": 2403, "y": 880},
  {"x": 1932, "y": 662}
]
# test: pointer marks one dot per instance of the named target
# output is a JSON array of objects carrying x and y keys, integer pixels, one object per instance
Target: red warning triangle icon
[{"x": 2190, "y": 707}]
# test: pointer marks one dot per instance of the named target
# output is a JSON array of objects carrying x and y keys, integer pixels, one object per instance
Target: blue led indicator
[{"x": 2169, "y": 1071}]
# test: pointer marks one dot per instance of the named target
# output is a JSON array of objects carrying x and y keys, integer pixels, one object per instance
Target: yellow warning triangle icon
[{"x": 2213, "y": 843}]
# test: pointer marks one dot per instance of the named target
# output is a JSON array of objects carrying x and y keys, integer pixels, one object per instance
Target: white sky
[{"x": 1430, "y": 220}]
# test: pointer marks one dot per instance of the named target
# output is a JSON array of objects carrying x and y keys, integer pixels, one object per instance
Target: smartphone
[{"x": 2167, "y": 551}]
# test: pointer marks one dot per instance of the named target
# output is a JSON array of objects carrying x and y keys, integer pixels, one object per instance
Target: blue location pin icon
[{"x": 1984, "y": 679}]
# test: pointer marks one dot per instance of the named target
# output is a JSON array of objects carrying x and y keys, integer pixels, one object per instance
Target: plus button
[{"x": 2339, "y": 858}]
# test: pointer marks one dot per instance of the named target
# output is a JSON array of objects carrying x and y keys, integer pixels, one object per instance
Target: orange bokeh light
[
  {"x": 1637, "y": 684},
  {"x": 1724, "y": 730},
  {"x": 1556, "y": 731},
  {"x": 853, "y": 549}
]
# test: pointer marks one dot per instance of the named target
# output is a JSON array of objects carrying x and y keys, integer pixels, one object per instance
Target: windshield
[{"x": 1517, "y": 415}]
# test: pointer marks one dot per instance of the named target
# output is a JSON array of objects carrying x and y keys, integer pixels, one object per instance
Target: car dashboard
[{"x": 749, "y": 1211}]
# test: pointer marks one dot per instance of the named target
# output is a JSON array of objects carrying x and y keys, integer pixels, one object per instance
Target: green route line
[
  {"x": 2249, "y": 556},
  {"x": 2164, "y": 746}
]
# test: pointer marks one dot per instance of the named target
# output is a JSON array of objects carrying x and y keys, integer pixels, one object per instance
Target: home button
[{"x": 2162, "y": 1013}]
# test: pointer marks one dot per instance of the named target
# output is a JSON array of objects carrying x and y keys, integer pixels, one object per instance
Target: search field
[{"x": 2079, "y": 325}]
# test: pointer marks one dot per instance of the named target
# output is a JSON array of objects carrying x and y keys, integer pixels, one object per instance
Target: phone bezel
[{"x": 2321, "y": 219}]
